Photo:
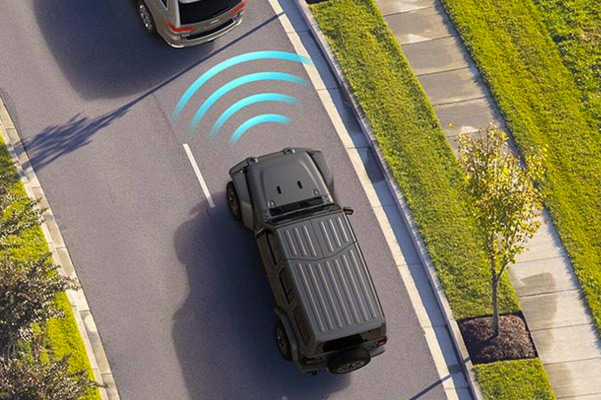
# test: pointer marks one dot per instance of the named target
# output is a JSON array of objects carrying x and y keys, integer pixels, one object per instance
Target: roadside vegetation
[
  {"x": 575, "y": 26},
  {"x": 542, "y": 105},
  {"x": 514, "y": 380},
  {"x": 427, "y": 172},
  {"x": 42, "y": 355}
]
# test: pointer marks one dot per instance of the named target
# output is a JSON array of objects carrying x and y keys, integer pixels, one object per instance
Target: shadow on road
[
  {"x": 57, "y": 140},
  {"x": 102, "y": 49},
  {"x": 224, "y": 331}
]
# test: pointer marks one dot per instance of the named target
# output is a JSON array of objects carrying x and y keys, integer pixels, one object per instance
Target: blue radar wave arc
[
  {"x": 259, "y": 119},
  {"x": 259, "y": 76},
  {"x": 242, "y": 58},
  {"x": 250, "y": 100}
]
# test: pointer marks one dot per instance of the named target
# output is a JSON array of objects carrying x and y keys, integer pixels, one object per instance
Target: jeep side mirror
[{"x": 348, "y": 210}]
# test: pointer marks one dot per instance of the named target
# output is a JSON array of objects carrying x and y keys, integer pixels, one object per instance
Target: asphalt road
[{"x": 176, "y": 287}]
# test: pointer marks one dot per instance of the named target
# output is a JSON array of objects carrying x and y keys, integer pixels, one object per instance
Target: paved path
[
  {"x": 176, "y": 286},
  {"x": 551, "y": 298}
]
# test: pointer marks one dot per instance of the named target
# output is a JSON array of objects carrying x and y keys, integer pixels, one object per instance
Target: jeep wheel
[
  {"x": 349, "y": 361},
  {"x": 282, "y": 341},
  {"x": 233, "y": 202}
]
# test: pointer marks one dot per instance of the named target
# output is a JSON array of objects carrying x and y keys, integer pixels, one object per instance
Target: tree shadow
[
  {"x": 57, "y": 140},
  {"x": 223, "y": 333}
]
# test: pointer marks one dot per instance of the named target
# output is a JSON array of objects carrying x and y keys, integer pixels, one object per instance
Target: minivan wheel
[
  {"x": 232, "y": 201},
  {"x": 349, "y": 361},
  {"x": 282, "y": 341},
  {"x": 146, "y": 17}
]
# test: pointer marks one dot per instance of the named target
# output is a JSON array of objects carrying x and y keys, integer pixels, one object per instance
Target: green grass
[
  {"x": 416, "y": 149},
  {"x": 514, "y": 380},
  {"x": 541, "y": 103},
  {"x": 62, "y": 335},
  {"x": 575, "y": 26}
]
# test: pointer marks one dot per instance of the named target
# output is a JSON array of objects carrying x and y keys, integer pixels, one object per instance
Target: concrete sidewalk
[{"x": 552, "y": 301}]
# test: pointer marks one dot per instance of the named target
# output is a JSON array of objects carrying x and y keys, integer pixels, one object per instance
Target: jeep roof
[
  {"x": 330, "y": 276},
  {"x": 284, "y": 181}
]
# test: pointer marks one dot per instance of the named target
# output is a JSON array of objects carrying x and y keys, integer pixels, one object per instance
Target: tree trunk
[{"x": 495, "y": 306}]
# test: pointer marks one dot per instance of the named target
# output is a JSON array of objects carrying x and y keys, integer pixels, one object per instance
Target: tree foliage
[
  {"x": 507, "y": 200},
  {"x": 29, "y": 292},
  {"x": 26, "y": 376}
]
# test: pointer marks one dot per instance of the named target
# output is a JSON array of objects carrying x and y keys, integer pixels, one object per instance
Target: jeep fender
[
  {"x": 289, "y": 331},
  {"x": 324, "y": 168}
]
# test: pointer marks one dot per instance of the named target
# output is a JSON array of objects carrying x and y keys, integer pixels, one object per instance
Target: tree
[
  {"x": 26, "y": 376},
  {"x": 507, "y": 199},
  {"x": 29, "y": 292}
]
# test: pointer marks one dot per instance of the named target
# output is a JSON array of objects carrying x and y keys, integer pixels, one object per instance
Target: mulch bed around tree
[{"x": 513, "y": 343}]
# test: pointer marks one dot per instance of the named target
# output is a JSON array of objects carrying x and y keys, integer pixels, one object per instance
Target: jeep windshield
[{"x": 191, "y": 12}]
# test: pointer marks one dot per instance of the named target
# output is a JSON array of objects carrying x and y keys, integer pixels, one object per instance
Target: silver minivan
[{"x": 184, "y": 23}]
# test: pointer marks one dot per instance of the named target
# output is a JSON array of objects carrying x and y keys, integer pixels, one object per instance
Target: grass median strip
[
  {"x": 542, "y": 105},
  {"x": 62, "y": 335},
  {"x": 426, "y": 170}
]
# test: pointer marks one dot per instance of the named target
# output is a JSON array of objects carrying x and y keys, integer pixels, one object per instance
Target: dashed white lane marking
[{"x": 201, "y": 180}]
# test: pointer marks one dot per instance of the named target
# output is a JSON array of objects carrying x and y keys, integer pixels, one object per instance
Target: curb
[
  {"x": 418, "y": 242},
  {"x": 60, "y": 255}
]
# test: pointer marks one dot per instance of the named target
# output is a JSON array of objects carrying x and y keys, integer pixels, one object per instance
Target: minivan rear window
[{"x": 202, "y": 10}]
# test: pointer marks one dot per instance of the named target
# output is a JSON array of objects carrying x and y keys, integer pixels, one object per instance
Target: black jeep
[{"x": 330, "y": 316}]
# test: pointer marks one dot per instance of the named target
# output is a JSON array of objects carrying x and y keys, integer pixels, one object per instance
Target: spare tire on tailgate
[{"x": 349, "y": 361}]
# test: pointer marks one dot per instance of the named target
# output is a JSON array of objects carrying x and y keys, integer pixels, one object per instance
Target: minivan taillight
[
  {"x": 175, "y": 29},
  {"x": 382, "y": 341},
  {"x": 239, "y": 8}
]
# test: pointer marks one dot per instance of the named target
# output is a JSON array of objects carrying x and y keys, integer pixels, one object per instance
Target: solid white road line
[{"x": 203, "y": 184}]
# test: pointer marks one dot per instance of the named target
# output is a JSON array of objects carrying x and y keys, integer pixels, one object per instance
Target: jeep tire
[
  {"x": 232, "y": 201},
  {"x": 349, "y": 361},
  {"x": 281, "y": 339}
]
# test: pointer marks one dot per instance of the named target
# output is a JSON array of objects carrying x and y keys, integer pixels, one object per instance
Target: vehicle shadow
[
  {"x": 223, "y": 333},
  {"x": 103, "y": 50}
]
